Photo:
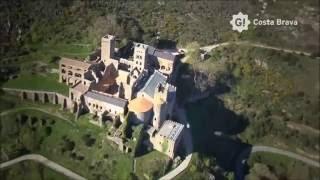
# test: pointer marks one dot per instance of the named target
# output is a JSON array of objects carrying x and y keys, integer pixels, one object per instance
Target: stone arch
[
  {"x": 71, "y": 94},
  {"x": 64, "y": 104},
  {"x": 64, "y": 80},
  {"x": 55, "y": 99},
  {"x": 45, "y": 98},
  {"x": 24, "y": 95},
  {"x": 75, "y": 107},
  {"x": 36, "y": 97}
]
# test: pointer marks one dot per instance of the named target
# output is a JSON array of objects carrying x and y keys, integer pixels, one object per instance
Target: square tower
[
  {"x": 107, "y": 48},
  {"x": 140, "y": 56}
]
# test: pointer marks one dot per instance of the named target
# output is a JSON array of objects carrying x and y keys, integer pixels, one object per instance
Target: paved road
[
  {"x": 285, "y": 153},
  {"x": 245, "y": 154},
  {"x": 210, "y": 47},
  {"x": 40, "y": 159},
  {"x": 187, "y": 140}
]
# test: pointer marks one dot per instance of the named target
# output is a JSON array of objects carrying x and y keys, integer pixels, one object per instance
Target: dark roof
[
  {"x": 108, "y": 99},
  {"x": 162, "y": 54},
  {"x": 153, "y": 82}
]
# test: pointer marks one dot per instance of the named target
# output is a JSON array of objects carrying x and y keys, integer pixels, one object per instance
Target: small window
[{"x": 78, "y": 75}]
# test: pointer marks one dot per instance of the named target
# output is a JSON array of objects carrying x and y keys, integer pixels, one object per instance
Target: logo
[{"x": 240, "y": 22}]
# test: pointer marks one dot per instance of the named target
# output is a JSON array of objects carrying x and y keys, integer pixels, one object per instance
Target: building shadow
[
  {"x": 214, "y": 128},
  {"x": 166, "y": 44}
]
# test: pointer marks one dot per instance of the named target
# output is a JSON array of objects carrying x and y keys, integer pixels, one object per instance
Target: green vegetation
[
  {"x": 271, "y": 89},
  {"x": 80, "y": 146},
  {"x": 30, "y": 170},
  {"x": 151, "y": 165},
  {"x": 277, "y": 92},
  {"x": 66, "y": 23},
  {"x": 279, "y": 167},
  {"x": 38, "y": 82},
  {"x": 165, "y": 146},
  {"x": 136, "y": 139},
  {"x": 201, "y": 167},
  {"x": 263, "y": 96}
]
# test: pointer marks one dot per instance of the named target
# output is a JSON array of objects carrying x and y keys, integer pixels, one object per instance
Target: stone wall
[{"x": 44, "y": 97}]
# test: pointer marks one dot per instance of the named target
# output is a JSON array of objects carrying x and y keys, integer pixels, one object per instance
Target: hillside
[{"x": 207, "y": 22}]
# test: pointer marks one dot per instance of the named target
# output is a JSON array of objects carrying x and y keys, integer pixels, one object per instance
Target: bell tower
[{"x": 107, "y": 49}]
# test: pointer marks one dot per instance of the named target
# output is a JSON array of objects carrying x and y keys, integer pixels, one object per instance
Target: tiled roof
[
  {"x": 162, "y": 54},
  {"x": 153, "y": 82},
  {"x": 140, "y": 104},
  {"x": 171, "y": 130},
  {"x": 108, "y": 99}
]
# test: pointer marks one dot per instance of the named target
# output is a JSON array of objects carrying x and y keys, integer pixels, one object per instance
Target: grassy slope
[
  {"x": 50, "y": 146},
  {"x": 260, "y": 95},
  {"x": 284, "y": 167},
  {"x": 103, "y": 156},
  {"x": 286, "y": 88},
  {"x": 149, "y": 165},
  {"x": 30, "y": 170},
  {"x": 38, "y": 82}
]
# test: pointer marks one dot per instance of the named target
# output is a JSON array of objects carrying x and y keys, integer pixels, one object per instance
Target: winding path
[
  {"x": 246, "y": 153},
  {"x": 46, "y": 162},
  {"x": 285, "y": 153},
  {"x": 248, "y": 43}
]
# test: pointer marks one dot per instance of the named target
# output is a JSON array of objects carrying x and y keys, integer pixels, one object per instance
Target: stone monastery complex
[{"x": 134, "y": 81}]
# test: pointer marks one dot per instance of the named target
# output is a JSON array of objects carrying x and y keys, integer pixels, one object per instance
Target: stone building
[
  {"x": 164, "y": 61},
  {"x": 162, "y": 95},
  {"x": 168, "y": 138},
  {"x": 113, "y": 84},
  {"x": 73, "y": 71},
  {"x": 101, "y": 104}
]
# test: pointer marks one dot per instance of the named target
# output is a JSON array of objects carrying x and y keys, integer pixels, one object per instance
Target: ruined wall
[{"x": 43, "y": 97}]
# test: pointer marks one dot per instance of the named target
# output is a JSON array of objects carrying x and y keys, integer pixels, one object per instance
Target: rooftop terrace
[{"x": 171, "y": 130}]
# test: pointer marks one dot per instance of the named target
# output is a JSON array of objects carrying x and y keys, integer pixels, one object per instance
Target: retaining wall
[{"x": 44, "y": 97}]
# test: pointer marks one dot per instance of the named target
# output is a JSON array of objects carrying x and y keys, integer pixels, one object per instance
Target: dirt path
[
  {"x": 285, "y": 153},
  {"x": 46, "y": 162},
  {"x": 210, "y": 47}
]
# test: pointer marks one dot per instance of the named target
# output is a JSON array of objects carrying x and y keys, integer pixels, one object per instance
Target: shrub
[
  {"x": 48, "y": 130},
  {"x": 34, "y": 120},
  {"x": 88, "y": 140},
  {"x": 68, "y": 145},
  {"x": 23, "y": 119}
]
